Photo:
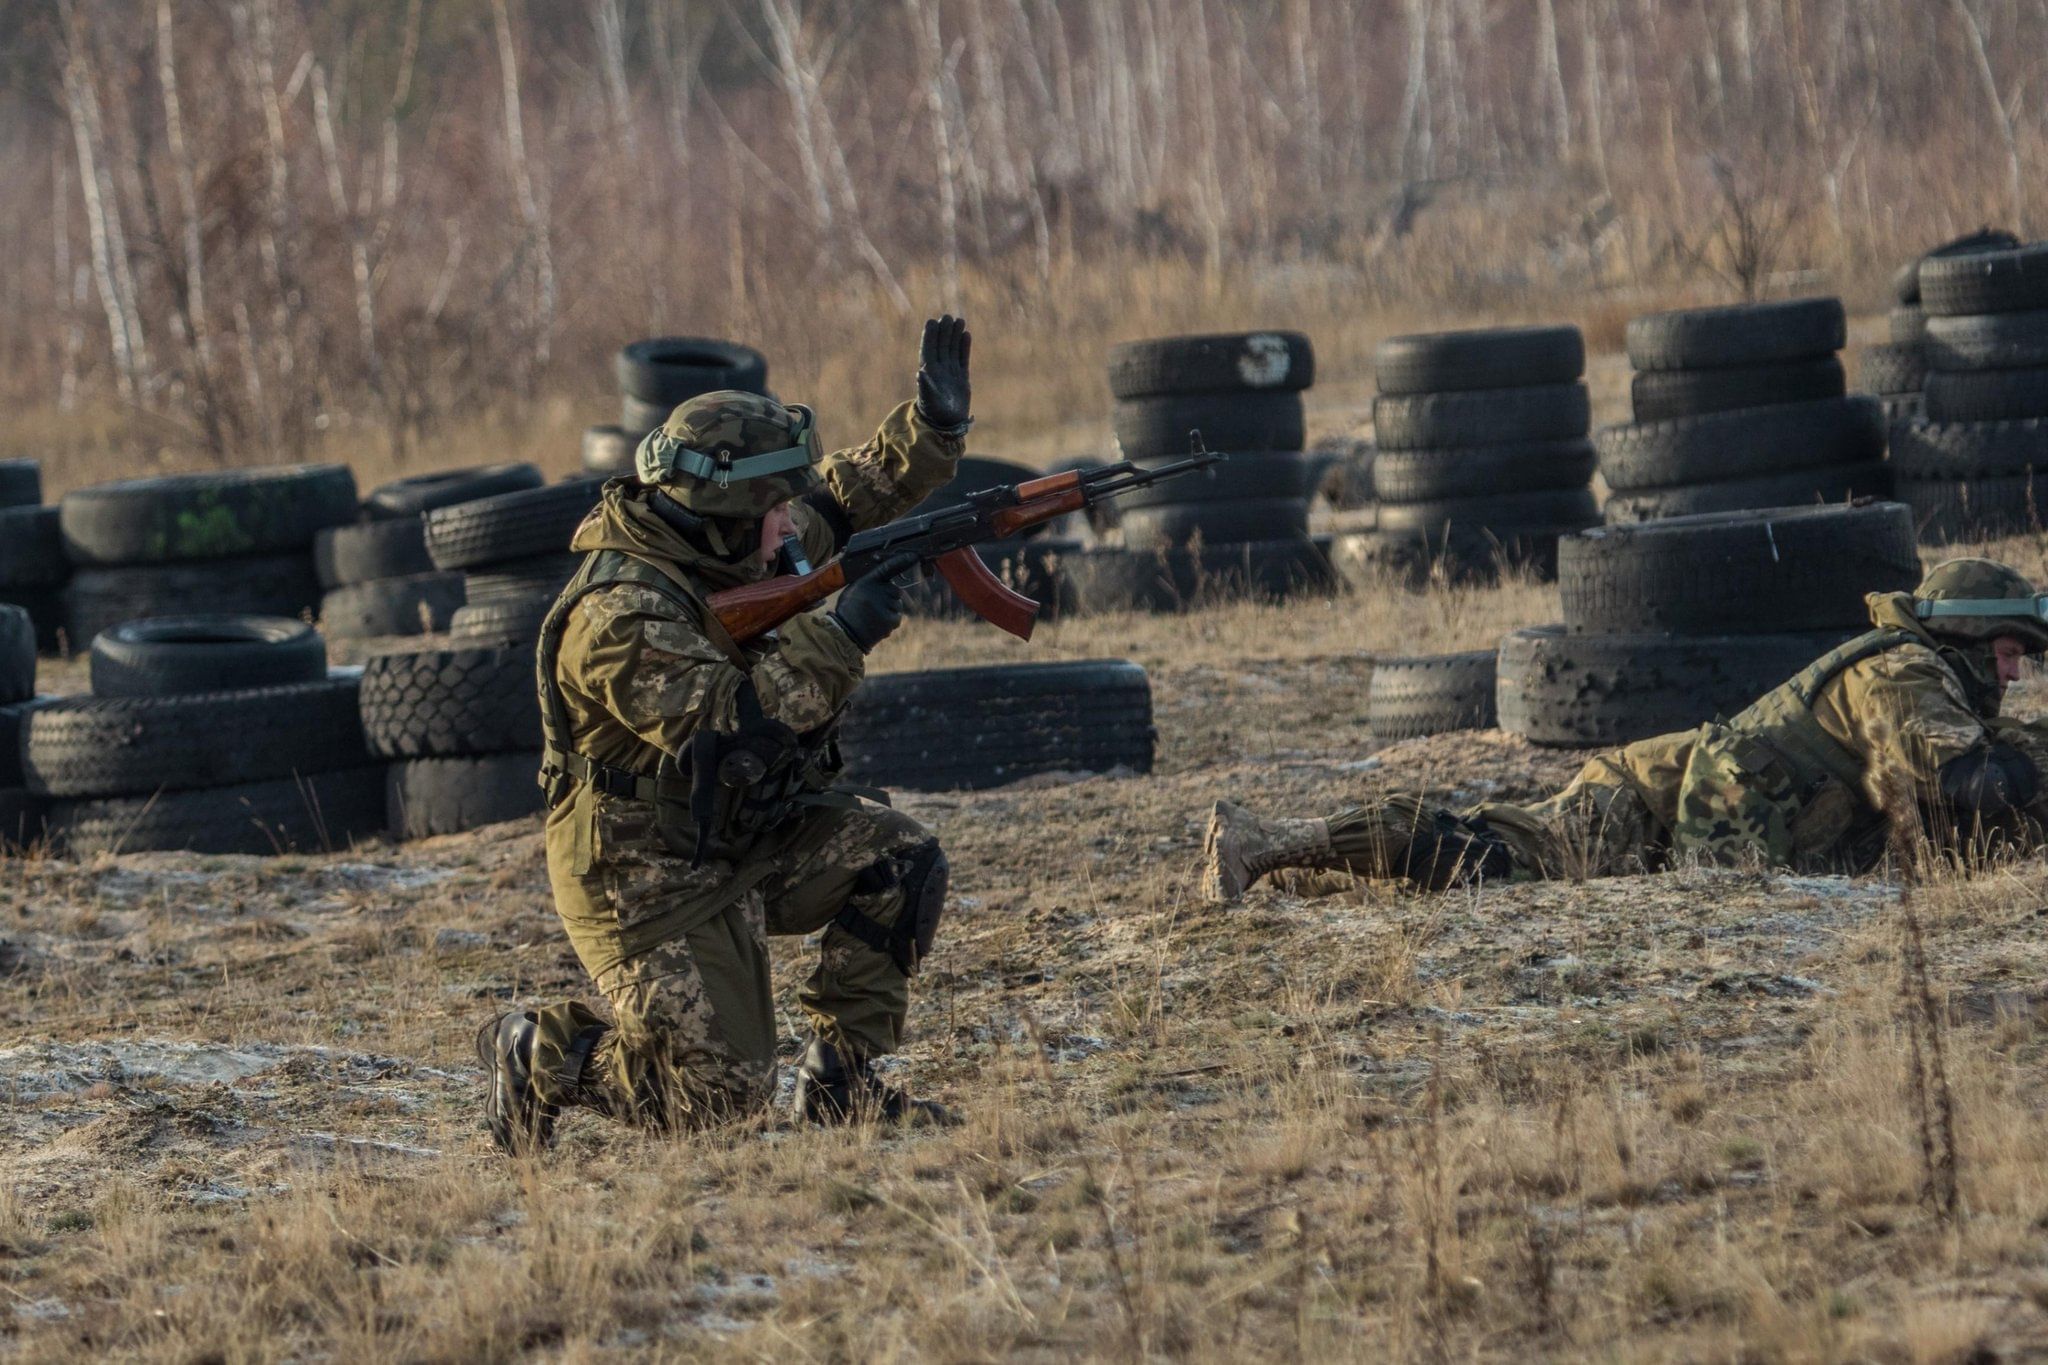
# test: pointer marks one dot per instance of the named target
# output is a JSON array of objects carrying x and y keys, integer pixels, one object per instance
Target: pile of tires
[
  {"x": 379, "y": 579},
  {"x": 1741, "y": 407},
  {"x": 237, "y": 541},
  {"x": 460, "y": 727},
  {"x": 969, "y": 728},
  {"x": 654, "y": 376},
  {"x": 1482, "y": 458},
  {"x": 1239, "y": 527},
  {"x": 21, "y": 811},
  {"x": 513, "y": 550},
  {"x": 1895, "y": 370},
  {"x": 211, "y": 734},
  {"x": 1431, "y": 694},
  {"x": 1968, "y": 467},
  {"x": 1034, "y": 563},
  {"x": 33, "y": 566},
  {"x": 1670, "y": 623}
]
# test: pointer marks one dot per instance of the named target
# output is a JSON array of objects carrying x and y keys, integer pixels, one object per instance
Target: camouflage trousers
[{"x": 684, "y": 961}]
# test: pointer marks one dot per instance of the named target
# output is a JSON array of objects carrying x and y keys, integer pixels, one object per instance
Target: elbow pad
[{"x": 1990, "y": 781}]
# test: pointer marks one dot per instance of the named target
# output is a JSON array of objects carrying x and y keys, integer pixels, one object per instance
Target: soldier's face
[
  {"x": 2010, "y": 654},
  {"x": 777, "y": 524}
]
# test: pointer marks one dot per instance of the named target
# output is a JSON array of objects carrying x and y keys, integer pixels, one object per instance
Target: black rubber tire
[
  {"x": 1217, "y": 523},
  {"x": 1286, "y": 474},
  {"x": 1431, "y": 695},
  {"x": 422, "y": 493},
  {"x": 1907, "y": 326},
  {"x": 369, "y": 550},
  {"x": 187, "y": 517},
  {"x": 1737, "y": 573},
  {"x": 1742, "y": 334},
  {"x": 1745, "y": 443},
  {"x": 170, "y": 656},
  {"x": 1595, "y": 691},
  {"x": 1986, "y": 395},
  {"x": 1989, "y": 341},
  {"x": 323, "y": 812},
  {"x": 1968, "y": 450},
  {"x": 609, "y": 450},
  {"x": 1229, "y": 362},
  {"x": 1661, "y": 395},
  {"x": 1484, "y": 358},
  {"x": 419, "y": 604},
  {"x": 31, "y": 548},
  {"x": 639, "y": 415},
  {"x": 1554, "y": 507},
  {"x": 23, "y": 819},
  {"x": 1906, "y": 281},
  {"x": 1891, "y": 369},
  {"x": 282, "y": 585},
  {"x": 541, "y": 576},
  {"x": 1170, "y": 427},
  {"x": 668, "y": 370},
  {"x": 1178, "y": 580},
  {"x": 1798, "y": 488},
  {"x": 539, "y": 521},
  {"x": 971, "y": 728},
  {"x": 45, "y": 608},
  {"x": 11, "y": 719},
  {"x": 1951, "y": 510},
  {"x": 428, "y": 796},
  {"x": 21, "y": 483},
  {"x": 132, "y": 746},
  {"x": 1469, "y": 471},
  {"x": 2010, "y": 281},
  {"x": 508, "y": 620},
  {"x": 1902, "y": 407},
  {"x": 17, "y": 656},
  {"x": 445, "y": 703},
  {"x": 1371, "y": 561},
  {"x": 1481, "y": 417}
]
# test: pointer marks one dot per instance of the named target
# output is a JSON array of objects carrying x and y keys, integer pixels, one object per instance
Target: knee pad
[{"x": 919, "y": 875}]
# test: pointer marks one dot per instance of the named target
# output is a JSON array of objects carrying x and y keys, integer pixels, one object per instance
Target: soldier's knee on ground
[{"x": 897, "y": 903}]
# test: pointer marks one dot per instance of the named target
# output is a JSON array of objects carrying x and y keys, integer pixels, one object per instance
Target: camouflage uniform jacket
[{"x": 638, "y": 674}]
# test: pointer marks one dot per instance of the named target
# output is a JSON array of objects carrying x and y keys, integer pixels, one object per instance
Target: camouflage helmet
[
  {"x": 732, "y": 454},
  {"x": 1979, "y": 600}
]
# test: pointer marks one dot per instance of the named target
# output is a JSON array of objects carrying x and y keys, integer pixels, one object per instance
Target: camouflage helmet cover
[
  {"x": 1979, "y": 600},
  {"x": 732, "y": 454}
]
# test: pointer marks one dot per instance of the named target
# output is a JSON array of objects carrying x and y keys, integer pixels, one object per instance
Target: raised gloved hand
[
  {"x": 871, "y": 607},
  {"x": 944, "y": 396}
]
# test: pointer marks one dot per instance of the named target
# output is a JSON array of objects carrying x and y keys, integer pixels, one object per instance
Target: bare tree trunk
[
  {"x": 530, "y": 212},
  {"x": 1557, "y": 107},
  {"x": 610, "y": 28},
  {"x": 1595, "y": 97},
  {"x": 66, "y": 283},
  {"x": 931, "y": 55},
  {"x": 1411, "y": 95},
  {"x": 2015, "y": 188},
  {"x": 358, "y": 249},
  {"x": 200, "y": 324},
  {"x": 101, "y": 213},
  {"x": 1308, "y": 104}
]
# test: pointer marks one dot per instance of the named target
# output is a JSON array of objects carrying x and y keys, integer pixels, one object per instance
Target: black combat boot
[
  {"x": 520, "y": 1122},
  {"x": 828, "y": 1093}
]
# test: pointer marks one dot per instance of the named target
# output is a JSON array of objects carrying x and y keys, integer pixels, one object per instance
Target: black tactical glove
[
  {"x": 944, "y": 396},
  {"x": 1989, "y": 781},
  {"x": 871, "y": 607}
]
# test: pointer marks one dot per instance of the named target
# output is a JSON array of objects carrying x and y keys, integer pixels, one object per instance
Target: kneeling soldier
[
  {"x": 1903, "y": 716},
  {"x": 690, "y": 780}
]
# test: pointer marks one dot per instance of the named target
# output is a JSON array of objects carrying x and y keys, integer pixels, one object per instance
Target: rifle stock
[{"x": 757, "y": 608}]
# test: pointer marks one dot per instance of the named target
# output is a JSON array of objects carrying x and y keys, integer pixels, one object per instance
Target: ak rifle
[{"x": 945, "y": 539}]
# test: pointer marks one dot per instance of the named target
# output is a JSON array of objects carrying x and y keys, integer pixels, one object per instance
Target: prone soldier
[
  {"x": 1901, "y": 722},
  {"x": 692, "y": 806}
]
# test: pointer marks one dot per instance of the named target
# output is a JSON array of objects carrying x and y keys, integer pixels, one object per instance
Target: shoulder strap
[{"x": 1824, "y": 670}]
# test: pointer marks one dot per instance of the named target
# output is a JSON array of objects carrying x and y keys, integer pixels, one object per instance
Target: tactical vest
[
  {"x": 714, "y": 798},
  {"x": 1783, "y": 717}
]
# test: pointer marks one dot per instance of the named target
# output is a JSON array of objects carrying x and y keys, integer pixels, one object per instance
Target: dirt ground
[{"x": 1661, "y": 1118}]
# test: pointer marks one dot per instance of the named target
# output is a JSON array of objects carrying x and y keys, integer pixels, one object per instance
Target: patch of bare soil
[{"x": 1645, "y": 1118}]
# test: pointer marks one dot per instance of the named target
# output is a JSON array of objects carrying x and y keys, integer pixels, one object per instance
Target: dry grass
[{"x": 1640, "y": 1119}]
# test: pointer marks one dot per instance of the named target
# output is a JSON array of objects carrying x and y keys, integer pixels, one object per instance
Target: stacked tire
[
  {"x": 210, "y": 734},
  {"x": 970, "y": 728},
  {"x": 238, "y": 541},
  {"x": 1431, "y": 694},
  {"x": 1969, "y": 467},
  {"x": 461, "y": 728},
  {"x": 33, "y": 566},
  {"x": 654, "y": 376},
  {"x": 21, "y": 811},
  {"x": 379, "y": 579},
  {"x": 1671, "y": 623},
  {"x": 1895, "y": 370},
  {"x": 1238, "y": 527},
  {"x": 1482, "y": 458},
  {"x": 513, "y": 550},
  {"x": 1741, "y": 407}
]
